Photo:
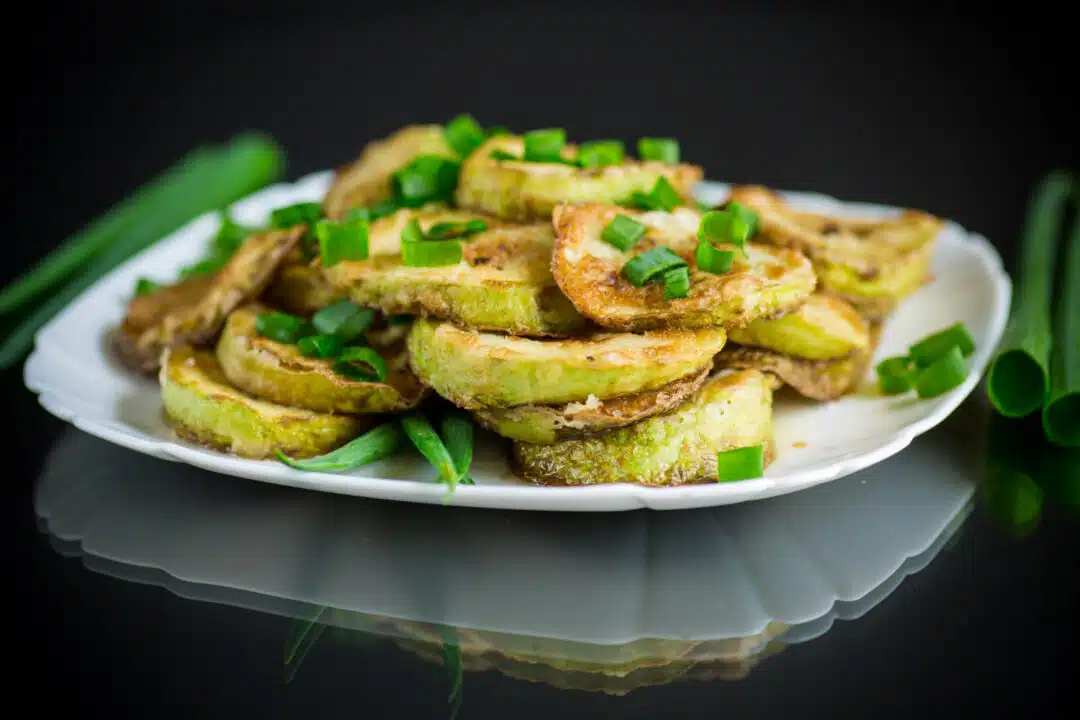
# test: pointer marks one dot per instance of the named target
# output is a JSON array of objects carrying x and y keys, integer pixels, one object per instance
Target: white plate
[
  {"x": 77, "y": 380},
  {"x": 802, "y": 561}
]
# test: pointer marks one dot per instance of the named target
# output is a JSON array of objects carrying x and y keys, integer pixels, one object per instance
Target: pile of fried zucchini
[{"x": 499, "y": 286}]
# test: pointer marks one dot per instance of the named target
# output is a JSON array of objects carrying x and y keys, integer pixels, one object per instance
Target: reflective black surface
[{"x": 957, "y": 115}]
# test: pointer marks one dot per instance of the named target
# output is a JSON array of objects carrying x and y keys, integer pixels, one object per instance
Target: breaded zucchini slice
[
  {"x": 203, "y": 407},
  {"x": 871, "y": 263},
  {"x": 300, "y": 287},
  {"x": 822, "y": 328},
  {"x": 546, "y": 424},
  {"x": 503, "y": 282},
  {"x": 823, "y": 380},
  {"x": 475, "y": 369},
  {"x": 732, "y": 410},
  {"x": 366, "y": 181},
  {"x": 529, "y": 191},
  {"x": 193, "y": 312},
  {"x": 589, "y": 270},
  {"x": 280, "y": 373}
]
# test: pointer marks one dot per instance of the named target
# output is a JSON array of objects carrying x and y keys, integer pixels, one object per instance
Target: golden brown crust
[{"x": 195, "y": 314}]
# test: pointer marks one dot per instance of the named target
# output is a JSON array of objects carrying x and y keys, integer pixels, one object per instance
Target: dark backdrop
[{"x": 956, "y": 112}]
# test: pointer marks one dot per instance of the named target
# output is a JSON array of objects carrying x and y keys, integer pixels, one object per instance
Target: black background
[{"x": 956, "y": 112}]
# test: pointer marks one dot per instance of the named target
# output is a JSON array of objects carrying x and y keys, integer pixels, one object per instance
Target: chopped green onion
[
  {"x": 743, "y": 223},
  {"x": 598, "y": 153},
  {"x": 374, "y": 445},
  {"x": 399, "y": 319},
  {"x": 715, "y": 226},
  {"x": 344, "y": 319},
  {"x": 320, "y": 346},
  {"x": 545, "y": 145},
  {"x": 663, "y": 196},
  {"x": 279, "y": 327},
  {"x": 145, "y": 286},
  {"x": 207, "y": 266},
  {"x": 431, "y": 446},
  {"x": 448, "y": 230},
  {"x": 501, "y": 155},
  {"x": 623, "y": 232},
  {"x": 650, "y": 265},
  {"x": 412, "y": 232},
  {"x": 290, "y": 215},
  {"x": 1017, "y": 378},
  {"x": 712, "y": 259},
  {"x": 1061, "y": 415},
  {"x": 342, "y": 241},
  {"x": 497, "y": 130},
  {"x": 896, "y": 375},
  {"x": 427, "y": 178},
  {"x": 230, "y": 236},
  {"x": 677, "y": 283},
  {"x": 931, "y": 347},
  {"x": 464, "y": 134},
  {"x": 362, "y": 364},
  {"x": 744, "y": 463},
  {"x": 431, "y": 253},
  {"x": 373, "y": 213},
  {"x": 457, "y": 435},
  {"x": 663, "y": 150},
  {"x": 942, "y": 375}
]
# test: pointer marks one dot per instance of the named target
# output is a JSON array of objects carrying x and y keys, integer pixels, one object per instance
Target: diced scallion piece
[
  {"x": 320, "y": 346},
  {"x": 744, "y": 463},
  {"x": 427, "y": 178},
  {"x": 623, "y": 232},
  {"x": 663, "y": 196},
  {"x": 280, "y": 327},
  {"x": 145, "y": 286},
  {"x": 362, "y": 364},
  {"x": 290, "y": 215},
  {"x": 651, "y": 265},
  {"x": 742, "y": 225},
  {"x": 343, "y": 319},
  {"x": 412, "y": 232},
  {"x": 342, "y": 241},
  {"x": 502, "y": 155},
  {"x": 896, "y": 375},
  {"x": 930, "y": 348},
  {"x": 677, "y": 283},
  {"x": 712, "y": 259},
  {"x": 598, "y": 153},
  {"x": 545, "y": 145},
  {"x": 464, "y": 134},
  {"x": 942, "y": 375},
  {"x": 431, "y": 253},
  {"x": 663, "y": 150},
  {"x": 448, "y": 230}
]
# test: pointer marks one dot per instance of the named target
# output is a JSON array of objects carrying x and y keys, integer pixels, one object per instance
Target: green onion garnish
[
  {"x": 497, "y": 130},
  {"x": 942, "y": 375},
  {"x": 743, "y": 223},
  {"x": 412, "y": 232},
  {"x": 448, "y": 230},
  {"x": 362, "y": 364},
  {"x": 663, "y": 150},
  {"x": 374, "y": 445},
  {"x": 427, "y": 178},
  {"x": 457, "y": 435},
  {"x": 280, "y": 327},
  {"x": 711, "y": 259},
  {"x": 342, "y": 241},
  {"x": 715, "y": 226},
  {"x": 464, "y": 134},
  {"x": 744, "y": 463},
  {"x": 230, "y": 236},
  {"x": 290, "y": 215},
  {"x": 145, "y": 286},
  {"x": 651, "y": 265},
  {"x": 663, "y": 196},
  {"x": 207, "y": 266},
  {"x": 343, "y": 319},
  {"x": 501, "y": 155},
  {"x": 1017, "y": 379},
  {"x": 598, "y": 153},
  {"x": 431, "y": 446},
  {"x": 623, "y": 232},
  {"x": 677, "y": 283},
  {"x": 431, "y": 253},
  {"x": 930, "y": 348},
  {"x": 545, "y": 145},
  {"x": 896, "y": 375},
  {"x": 1061, "y": 415},
  {"x": 320, "y": 346}
]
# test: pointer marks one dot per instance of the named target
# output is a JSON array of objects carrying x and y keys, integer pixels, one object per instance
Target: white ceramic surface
[
  {"x": 802, "y": 560},
  {"x": 78, "y": 381}
]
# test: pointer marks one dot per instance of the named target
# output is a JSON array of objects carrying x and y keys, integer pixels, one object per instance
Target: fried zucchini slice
[
  {"x": 822, "y": 380},
  {"x": 530, "y": 191},
  {"x": 547, "y": 424},
  {"x": 366, "y": 181},
  {"x": 822, "y": 328},
  {"x": 193, "y": 312},
  {"x": 732, "y": 410},
  {"x": 871, "y": 263},
  {"x": 503, "y": 282},
  {"x": 476, "y": 369},
  {"x": 281, "y": 374},
  {"x": 301, "y": 288},
  {"x": 589, "y": 270},
  {"x": 203, "y": 407}
]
